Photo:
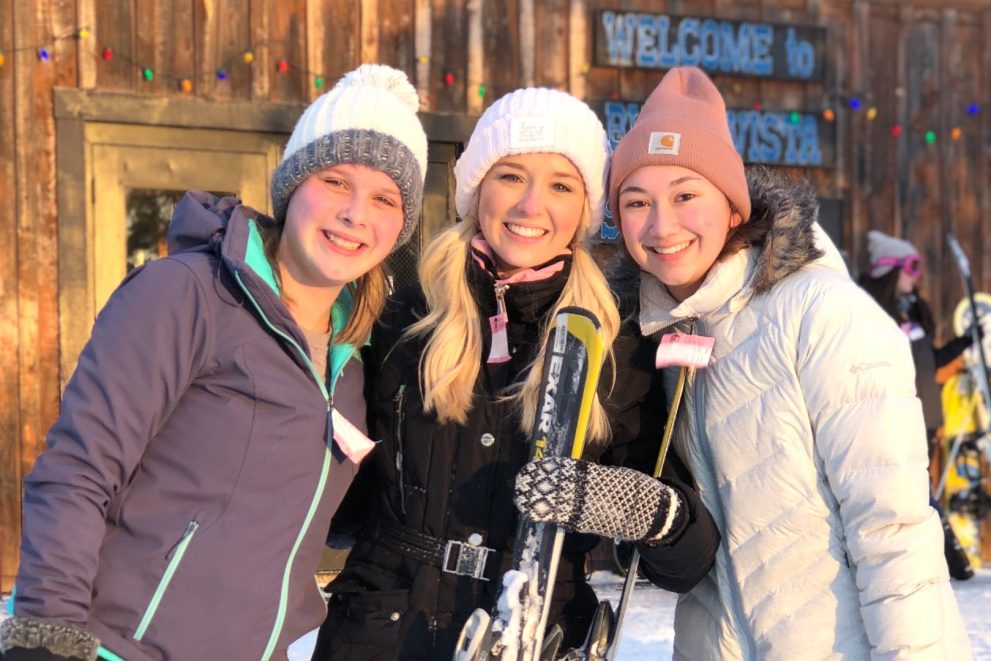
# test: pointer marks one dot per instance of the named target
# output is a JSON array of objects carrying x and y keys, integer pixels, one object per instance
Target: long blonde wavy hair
[{"x": 451, "y": 361}]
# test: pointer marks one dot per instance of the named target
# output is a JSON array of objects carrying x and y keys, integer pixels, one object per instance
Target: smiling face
[
  {"x": 340, "y": 223},
  {"x": 529, "y": 208},
  {"x": 674, "y": 223}
]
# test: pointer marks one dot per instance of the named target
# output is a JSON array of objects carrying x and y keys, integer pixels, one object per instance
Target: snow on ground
[{"x": 648, "y": 631}]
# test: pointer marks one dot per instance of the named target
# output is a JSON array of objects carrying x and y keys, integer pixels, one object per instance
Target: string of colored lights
[
  {"x": 283, "y": 65},
  {"x": 855, "y": 104},
  {"x": 185, "y": 83}
]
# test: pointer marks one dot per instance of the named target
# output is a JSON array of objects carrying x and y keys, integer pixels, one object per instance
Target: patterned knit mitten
[{"x": 604, "y": 500}]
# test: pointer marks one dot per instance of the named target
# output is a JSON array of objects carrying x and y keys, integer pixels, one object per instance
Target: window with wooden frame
[{"x": 124, "y": 160}]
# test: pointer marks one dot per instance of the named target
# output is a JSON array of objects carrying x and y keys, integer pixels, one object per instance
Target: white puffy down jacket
[{"x": 807, "y": 442}]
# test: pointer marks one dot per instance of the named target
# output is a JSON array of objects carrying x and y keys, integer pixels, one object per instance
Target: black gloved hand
[
  {"x": 26, "y": 639},
  {"x": 604, "y": 500}
]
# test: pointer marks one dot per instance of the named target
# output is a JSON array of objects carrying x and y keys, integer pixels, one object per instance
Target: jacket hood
[
  {"x": 794, "y": 240},
  {"x": 202, "y": 222},
  {"x": 198, "y": 220}
]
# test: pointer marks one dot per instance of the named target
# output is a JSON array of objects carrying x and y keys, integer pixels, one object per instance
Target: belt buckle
[{"x": 469, "y": 559}]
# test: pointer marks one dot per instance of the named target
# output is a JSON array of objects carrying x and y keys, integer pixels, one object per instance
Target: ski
[
  {"x": 601, "y": 631},
  {"x": 513, "y": 630},
  {"x": 958, "y": 562},
  {"x": 981, "y": 376}
]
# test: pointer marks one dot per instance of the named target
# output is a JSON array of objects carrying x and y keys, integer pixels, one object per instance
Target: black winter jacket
[
  {"x": 454, "y": 481},
  {"x": 927, "y": 357}
]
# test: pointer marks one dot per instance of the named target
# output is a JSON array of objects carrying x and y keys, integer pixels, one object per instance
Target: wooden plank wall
[
  {"x": 10, "y": 417},
  {"x": 920, "y": 62},
  {"x": 29, "y": 323}
]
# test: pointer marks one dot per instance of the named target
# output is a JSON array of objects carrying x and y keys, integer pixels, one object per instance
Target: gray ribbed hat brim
[{"x": 356, "y": 147}]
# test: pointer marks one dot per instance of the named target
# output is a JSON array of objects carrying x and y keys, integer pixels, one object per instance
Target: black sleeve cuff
[
  {"x": 681, "y": 562},
  {"x": 681, "y": 519}
]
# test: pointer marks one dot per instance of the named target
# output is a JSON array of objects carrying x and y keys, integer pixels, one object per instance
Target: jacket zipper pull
[
  {"x": 186, "y": 534},
  {"x": 499, "y": 349},
  {"x": 398, "y": 411},
  {"x": 190, "y": 529}
]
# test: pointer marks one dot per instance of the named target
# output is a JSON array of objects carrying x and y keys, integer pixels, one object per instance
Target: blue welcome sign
[
  {"x": 748, "y": 48},
  {"x": 772, "y": 137}
]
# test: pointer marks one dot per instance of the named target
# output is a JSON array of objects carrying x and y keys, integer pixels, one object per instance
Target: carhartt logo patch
[
  {"x": 664, "y": 142},
  {"x": 531, "y": 133}
]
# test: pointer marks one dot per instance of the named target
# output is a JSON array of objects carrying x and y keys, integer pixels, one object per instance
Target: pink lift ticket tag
[
  {"x": 499, "y": 351},
  {"x": 684, "y": 350},
  {"x": 349, "y": 438}
]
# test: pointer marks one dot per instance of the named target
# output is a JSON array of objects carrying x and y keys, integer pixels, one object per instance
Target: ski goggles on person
[{"x": 912, "y": 265}]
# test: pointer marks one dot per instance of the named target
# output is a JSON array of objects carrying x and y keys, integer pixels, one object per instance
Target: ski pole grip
[{"x": 959, "y": 254}]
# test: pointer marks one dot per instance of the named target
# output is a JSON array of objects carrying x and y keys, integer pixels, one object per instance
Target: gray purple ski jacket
[{"x": 181, "y": 507}]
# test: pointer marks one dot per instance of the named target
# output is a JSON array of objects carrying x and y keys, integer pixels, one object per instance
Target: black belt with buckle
[{"x": 452, "y": 556}]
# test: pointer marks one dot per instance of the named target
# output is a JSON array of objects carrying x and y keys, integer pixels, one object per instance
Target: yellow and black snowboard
[{"x": 965, "y": 424}]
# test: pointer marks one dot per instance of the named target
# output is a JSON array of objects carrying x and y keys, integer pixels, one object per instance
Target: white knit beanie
[
  {"x": 536, "y": 120},
  {"x": 369, "y": 118},
  {"x": 880, "y": 245}
]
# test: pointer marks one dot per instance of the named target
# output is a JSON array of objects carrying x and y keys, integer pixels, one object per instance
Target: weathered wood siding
[{"x": 919, "y": 62}]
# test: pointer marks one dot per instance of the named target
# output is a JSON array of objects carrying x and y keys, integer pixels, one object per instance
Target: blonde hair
[
  {"x": 369, "y": 292},
  {"x": 451, "y": 360}
]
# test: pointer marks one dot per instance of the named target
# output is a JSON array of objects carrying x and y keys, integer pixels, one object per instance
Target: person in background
[
  {"x": 802, "y": 428},
  {"x": 181, "y": 507},
  {"x": 892, "y": 280},
  {"x": 453, "y": 381}
]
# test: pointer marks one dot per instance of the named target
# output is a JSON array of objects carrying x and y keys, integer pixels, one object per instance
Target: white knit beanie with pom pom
[{"x": 369, "y": 118}]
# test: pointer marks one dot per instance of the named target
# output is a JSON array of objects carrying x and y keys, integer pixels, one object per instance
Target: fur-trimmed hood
[{"x": 793, "y": 240}]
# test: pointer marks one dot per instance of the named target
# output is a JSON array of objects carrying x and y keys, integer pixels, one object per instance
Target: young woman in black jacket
[{"x": 452, "y": 378}]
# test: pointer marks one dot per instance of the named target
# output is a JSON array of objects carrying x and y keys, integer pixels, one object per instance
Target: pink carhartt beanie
[{"x": 683, "y": 122}]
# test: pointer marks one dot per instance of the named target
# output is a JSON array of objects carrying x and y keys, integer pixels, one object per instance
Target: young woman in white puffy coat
[{"x": 801, "y": 427}]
